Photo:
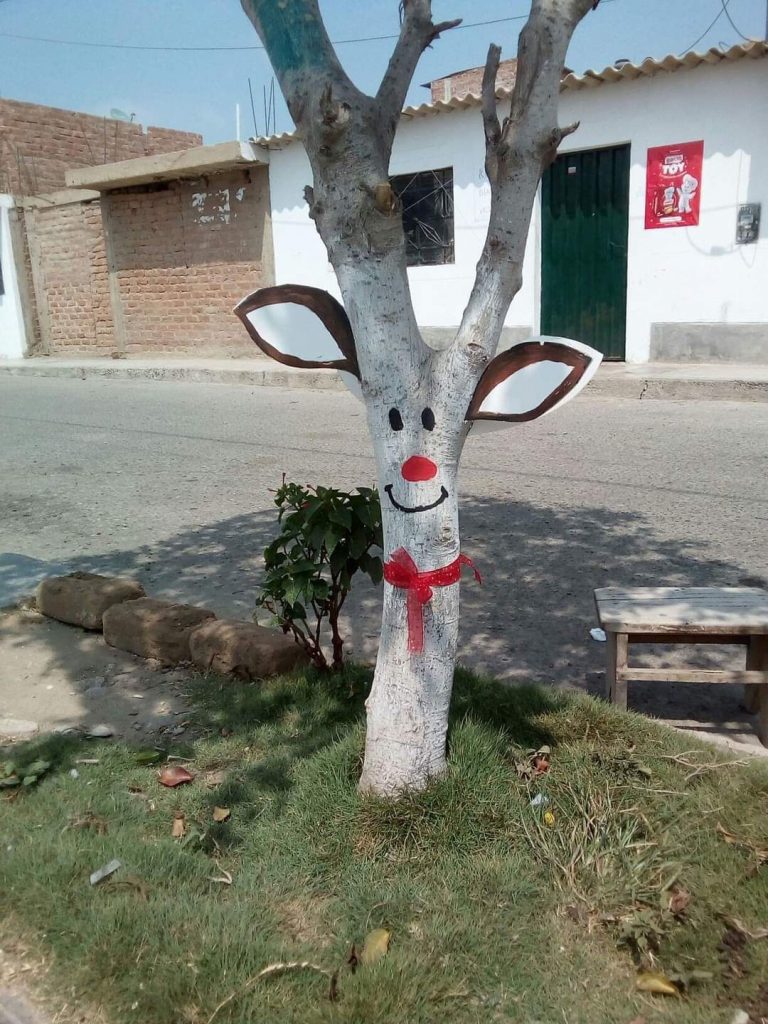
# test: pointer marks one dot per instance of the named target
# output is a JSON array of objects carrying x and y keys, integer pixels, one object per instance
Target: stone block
[
  {"x": 153, "y": 629},
  {"x": 82, "y": 597},
  {"x": 244, "y": 649}
]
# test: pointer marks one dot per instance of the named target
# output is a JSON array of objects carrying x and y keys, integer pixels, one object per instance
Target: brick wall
[
  {"x": 37, "y": 144},
  {"x": 470, "y": 81},
  {"x": 70, "y": 278},
  {"x": 185, "y": 252}
]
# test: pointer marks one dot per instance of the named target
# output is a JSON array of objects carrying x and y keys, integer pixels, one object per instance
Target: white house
[{"x": 648, "y": 256}]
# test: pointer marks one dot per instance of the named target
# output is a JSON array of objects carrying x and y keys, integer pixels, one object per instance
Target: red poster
[{"x": 673, "y": 185}]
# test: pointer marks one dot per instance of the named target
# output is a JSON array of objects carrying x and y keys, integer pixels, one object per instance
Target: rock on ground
[
  {"x": 153, "y": 629},
  {"x": 82, "y": 597},
  {"x": 244, "y": 649}
]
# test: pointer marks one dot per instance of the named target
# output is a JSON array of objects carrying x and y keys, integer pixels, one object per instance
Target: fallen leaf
[
  {"x": 741, "y": 928},
  {"x": 761, "y": 852},
  {"x": 145, "y": 757},
  {"x": 221, "y": 813},
  {"x": 215, "y": 778},
  {"x": 179, "y": 826},
  {"x": 679, "y": 898},
  {"x": 659, "y": 984},
  {"x": 375, "y": 946},
  {"x": 174, "y": 775},
  {"x": 549, "y": 818}
]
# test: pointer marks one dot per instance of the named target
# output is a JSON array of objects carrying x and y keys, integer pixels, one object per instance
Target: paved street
[{"x": 170, "y": 482}]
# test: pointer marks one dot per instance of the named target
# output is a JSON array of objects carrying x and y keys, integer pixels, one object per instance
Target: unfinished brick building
[{"x": 147, "y": 255}]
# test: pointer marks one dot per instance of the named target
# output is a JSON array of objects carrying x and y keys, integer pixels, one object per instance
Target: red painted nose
[{"x": 418, "y": 468}]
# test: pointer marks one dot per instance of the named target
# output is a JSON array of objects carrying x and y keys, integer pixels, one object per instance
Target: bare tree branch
[
  {"x": 417, "y": 31},
  {"x": 517, "y": 153},
  {"x": 490, "y": 117},
  {"x": 302, "y": 55}
]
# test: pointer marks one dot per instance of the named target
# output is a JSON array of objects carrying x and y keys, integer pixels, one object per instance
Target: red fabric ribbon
[{"x": 400, "y": 571}]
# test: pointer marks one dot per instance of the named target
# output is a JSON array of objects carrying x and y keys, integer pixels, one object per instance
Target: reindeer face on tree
[{"x": 422, "y": 434}]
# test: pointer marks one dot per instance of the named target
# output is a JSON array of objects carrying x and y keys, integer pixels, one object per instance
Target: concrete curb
[
  {"x": 323, "y": 380},
  {"x": 678, "y": 389},
  {"x": 611, "y": 382}
]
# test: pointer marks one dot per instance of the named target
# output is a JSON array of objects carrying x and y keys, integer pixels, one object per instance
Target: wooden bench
[{"x": 687, "y": 615}]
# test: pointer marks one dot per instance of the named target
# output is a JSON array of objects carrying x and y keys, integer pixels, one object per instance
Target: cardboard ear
[
  {"x": 531, "y": 379},
  {"x": 300, "y": 326}
]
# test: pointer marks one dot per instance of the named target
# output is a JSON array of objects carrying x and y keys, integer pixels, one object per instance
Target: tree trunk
[
  {"x": 408, "y": 705},
  {"x": 348, "y": 138}
]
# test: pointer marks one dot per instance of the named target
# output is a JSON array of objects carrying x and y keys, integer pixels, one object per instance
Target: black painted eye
[
  {"x": 428, "y": 419},
  {"x": 395, "y": 419}
]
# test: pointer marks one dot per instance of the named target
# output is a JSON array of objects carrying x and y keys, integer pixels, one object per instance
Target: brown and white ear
[
  {"x": 300, "y": 326},
  {"x": 531, "y": 379}
]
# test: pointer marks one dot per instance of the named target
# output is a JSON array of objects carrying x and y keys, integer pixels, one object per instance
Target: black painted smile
[{"x": 416, "y": 508}]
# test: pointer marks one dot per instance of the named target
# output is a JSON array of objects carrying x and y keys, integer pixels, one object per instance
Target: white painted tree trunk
[{"x": 348, "y": 137}]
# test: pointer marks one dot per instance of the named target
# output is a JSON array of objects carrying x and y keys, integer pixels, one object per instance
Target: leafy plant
[
  {"x": 326, "y": 536},
  {"x": 12, "y": 775}
]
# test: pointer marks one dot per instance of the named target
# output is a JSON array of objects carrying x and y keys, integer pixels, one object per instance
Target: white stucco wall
[
  {"x": 698, "y": 274},
  {"x": 677, "y": 275},
  {"x": 12, "y": 343}
]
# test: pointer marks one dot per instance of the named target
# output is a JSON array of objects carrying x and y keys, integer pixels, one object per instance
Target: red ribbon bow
[{"x": 400, "y": 571}]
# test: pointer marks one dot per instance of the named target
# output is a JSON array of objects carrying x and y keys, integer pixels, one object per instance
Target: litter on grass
[{"x": 104, "y": 872}]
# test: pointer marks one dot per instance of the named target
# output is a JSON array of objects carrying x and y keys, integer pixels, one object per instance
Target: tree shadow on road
[{"x": 528, "y": 622}]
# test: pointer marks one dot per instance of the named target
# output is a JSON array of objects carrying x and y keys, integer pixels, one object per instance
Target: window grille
[{"x": 426, "y": 199}]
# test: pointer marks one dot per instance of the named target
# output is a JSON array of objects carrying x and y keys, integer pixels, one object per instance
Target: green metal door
[{"x": 584, "y": 204}]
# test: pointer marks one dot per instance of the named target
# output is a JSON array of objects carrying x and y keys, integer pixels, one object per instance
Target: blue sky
[{"x": 198, "y": 90}]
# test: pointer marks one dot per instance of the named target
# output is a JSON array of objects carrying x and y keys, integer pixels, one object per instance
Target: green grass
[{"x": 495, "y": 915}]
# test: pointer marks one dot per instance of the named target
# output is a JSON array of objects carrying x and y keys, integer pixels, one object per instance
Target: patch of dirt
[
  {"x": 61, "y": 677},
  {"x": 303, "y": 921},
  {"x": 24, "y": 988}
]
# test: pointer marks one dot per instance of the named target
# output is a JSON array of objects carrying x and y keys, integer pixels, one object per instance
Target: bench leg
[
  {"x": 757, "y": 659},
  {"x": 615, "y": 669},
  {"x": 756, "y": 697}
]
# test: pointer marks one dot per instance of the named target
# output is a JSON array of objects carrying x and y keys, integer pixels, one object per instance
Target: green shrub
[{"x": 326, "y": 536}]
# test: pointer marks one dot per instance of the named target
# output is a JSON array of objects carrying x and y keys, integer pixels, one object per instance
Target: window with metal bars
[{"x": 426, "y": 200}]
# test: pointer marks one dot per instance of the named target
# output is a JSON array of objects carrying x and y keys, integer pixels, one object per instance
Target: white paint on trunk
[{"x": 348, "y": 137}]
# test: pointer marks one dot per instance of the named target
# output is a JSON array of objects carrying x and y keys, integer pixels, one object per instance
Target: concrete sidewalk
[{"x": 671, "y": 381}]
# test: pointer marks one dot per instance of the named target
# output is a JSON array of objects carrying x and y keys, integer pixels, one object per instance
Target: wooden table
[{"x": 687, "y": 615}]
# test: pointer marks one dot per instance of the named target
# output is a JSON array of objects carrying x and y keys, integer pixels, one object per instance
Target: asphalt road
[{"x": 171, "y": 483}]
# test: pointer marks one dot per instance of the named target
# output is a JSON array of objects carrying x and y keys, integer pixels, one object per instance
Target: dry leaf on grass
[
  {"x": 658, "y": 984},
  {"x": 375, "y": 946},
  {"x": 221, "y": 813},
  {"x": 179, "y": 826},
  {"x": 678, "y": 900},
  {"x": 739, "y": 926},
  {"x": 761, "y": 852},
  {"x": 215, "y": 778},
  {"x": 174, "y": 775}
]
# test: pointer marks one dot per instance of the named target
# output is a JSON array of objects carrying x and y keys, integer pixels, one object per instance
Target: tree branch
[
  {"x": 417, "y": 31},
  {"x": 305, "y": 62},
  {"x": 491, "y": 123},
  {"x": 517, "y": 153}
]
